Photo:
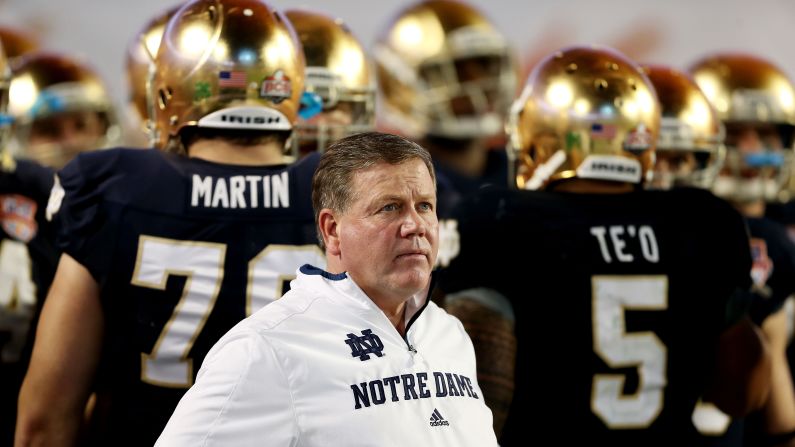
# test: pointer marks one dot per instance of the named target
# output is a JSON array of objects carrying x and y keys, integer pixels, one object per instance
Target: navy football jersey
[
  {"x": 452, "y": 187},
  {"x": 27, "y": 264},
  {"x": 619, "y": 303},
  {"x": 183, "y": 249}
]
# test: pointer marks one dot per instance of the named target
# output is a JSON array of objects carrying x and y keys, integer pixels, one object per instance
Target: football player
[
  {"x": 754, "y": 100},
  {"x": 628, "y": 303},
  {"x": 689, "y": 153},
  {"x": 60, "y": 108},
  {"x": 446, "y": 77},
  {"x": 27, "y": 259},
  {"x": 339, "y": 97},
  {"x": 165, "y": 250}
]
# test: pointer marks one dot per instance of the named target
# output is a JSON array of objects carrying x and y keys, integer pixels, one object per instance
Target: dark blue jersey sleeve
[{"x": 85, "y": 230}]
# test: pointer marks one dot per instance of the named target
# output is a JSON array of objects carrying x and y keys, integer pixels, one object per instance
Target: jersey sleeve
[
  {"x": 241, "y": 397},
  {"x": 85, "y": 229},
  {"x": 732, "y": 252}
]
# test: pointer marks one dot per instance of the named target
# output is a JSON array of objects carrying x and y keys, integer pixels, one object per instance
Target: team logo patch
[
  {"x": 437, "y": 419},
  {"x": 18, "y": 216},
  {"x": 276, "y": 87},
  {"x": 201, "y": 91},
  {"x": 638, "y": 138},
  {"x": 573, "y": 141},
  {"x": 449, "y": 242},
  {"x": 56, "y": 198},
  {"x": 365, "y": 345},
  {"x": 762, "y": 266}
]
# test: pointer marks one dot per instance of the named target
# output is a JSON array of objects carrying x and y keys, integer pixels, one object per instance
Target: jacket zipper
[{"x": 412, "y": 349}]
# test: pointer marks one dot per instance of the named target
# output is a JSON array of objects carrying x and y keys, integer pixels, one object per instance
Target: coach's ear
[{"x": 327, "y": 222}]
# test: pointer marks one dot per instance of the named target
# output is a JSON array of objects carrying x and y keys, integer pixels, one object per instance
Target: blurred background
[{"x": 674, "y": 32}]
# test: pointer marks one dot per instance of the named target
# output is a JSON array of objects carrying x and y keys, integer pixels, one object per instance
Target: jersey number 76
[{"x": 202, "y": 263}]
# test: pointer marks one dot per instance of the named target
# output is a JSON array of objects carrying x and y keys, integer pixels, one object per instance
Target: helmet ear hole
[
  {"x": 164, "y": 96},
  {"x": 531, "y": 153}
]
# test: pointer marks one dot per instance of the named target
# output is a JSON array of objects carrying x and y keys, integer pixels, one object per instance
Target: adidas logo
[{"x": 437, "y": 419}]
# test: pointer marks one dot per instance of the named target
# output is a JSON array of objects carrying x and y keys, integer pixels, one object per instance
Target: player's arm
[
  {"x": 65, "y": 357},
  {"x": 779, "y": 410},
  {"x": 488, "y": 319},
  {"x": 741, "y": 379},
  {"x": 741, "y": 382}
]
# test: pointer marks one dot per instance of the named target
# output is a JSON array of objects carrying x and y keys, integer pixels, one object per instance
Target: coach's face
[{"x": 388, "y": 236}]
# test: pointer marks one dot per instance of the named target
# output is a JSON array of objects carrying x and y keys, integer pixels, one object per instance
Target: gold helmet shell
[
  {"x": 48, "y": 85},
  {"x": 690, "y": 145},
  {"x": 17, "y": 43},
  {"x": 444, "y": 69},
  {"x": 746, "y": 88},
  {"x": 585, "y": 112},
  {"x": 756, "y": 99},
  {"x": 139, "y": 63},
  {"x": 340, "y": 86},
  {"x": 6, "y": 160},
  {"x": 227, "y": 64}
]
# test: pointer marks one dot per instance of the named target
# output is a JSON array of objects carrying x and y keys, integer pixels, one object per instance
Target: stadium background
[{"x": 674, "y": 32}]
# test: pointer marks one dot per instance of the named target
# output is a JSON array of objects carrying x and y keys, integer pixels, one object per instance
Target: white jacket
[{"x": 324, "y": 366}]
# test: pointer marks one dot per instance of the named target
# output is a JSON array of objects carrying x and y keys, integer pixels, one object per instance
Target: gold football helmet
[
  {"x": 756, "y": 102},
  {"x": 15, "y": 43},
  {"x": 690, "y": 146},
  {"x": 339, "y": 98},
  {"x": 444, "y": 70},
  {"x": 60, "y": 108},
  {"x": 227, "y": 64},
  {"x": 585, "y": 112},
  {"x": 6, "y": 159},
  {"x": 140, "y": 59}
]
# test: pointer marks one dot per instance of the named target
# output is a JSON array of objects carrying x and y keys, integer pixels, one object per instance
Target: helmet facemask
[
  {"x": 330, "y": 111},
  {"x": 339, "y": 90},
  {"x": 60, "y": 109},
  {"x": 758, "y": 162},
  {"x": 756, "y": 102}
]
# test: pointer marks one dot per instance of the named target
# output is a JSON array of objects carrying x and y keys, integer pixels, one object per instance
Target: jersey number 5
[
  {"x": 612, "y": 296},
  {"x": 202, "y": 263}
]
